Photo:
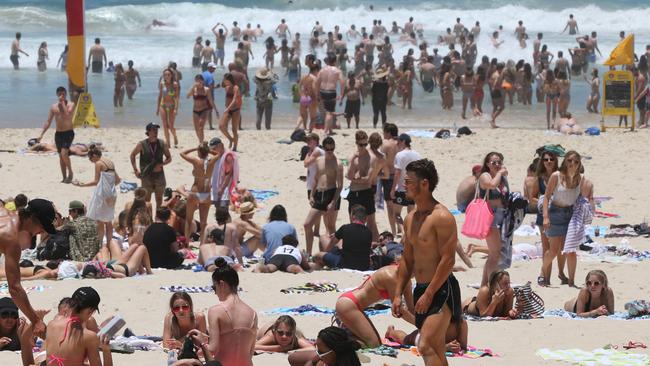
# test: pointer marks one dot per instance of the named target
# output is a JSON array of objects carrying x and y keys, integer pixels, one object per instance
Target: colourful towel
[
  {"x": 473, "y": 353},
  {"x": 4, "y": 288},
  {"x": 382, "y": 351},
  {"x": 561, "y": 313},
  {"x": 263, "y": 195},
  {"x": 127, "y": 186},
  {"x": 309, "y": 309},
  {"x": 598, "y": 356},
  {"x": 319, "y": 286}
]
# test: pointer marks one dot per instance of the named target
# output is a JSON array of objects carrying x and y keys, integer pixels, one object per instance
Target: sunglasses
[
  {"x": 595, "y": 283},
  {"x": 496, "y": 163},
  {"x": 549, "y": 159},
  {"x": 9, "y": 314},
  {"x": 362, "y": 144},
  {"x": 571, "y": 161},
  {"x": 282, "y": 333},
  {"x": 184, "y": 308},
  {"x": 321, "y": 355},
  {"x": 328, "y": 148}
]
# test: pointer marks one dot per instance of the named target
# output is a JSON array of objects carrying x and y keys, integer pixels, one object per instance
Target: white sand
[{"x": 618, "y": 167}]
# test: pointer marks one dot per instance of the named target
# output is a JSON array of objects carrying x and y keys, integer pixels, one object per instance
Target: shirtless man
[
  {"x": 236, "y": 32},
  {"x": 317, "y": 28},
  {"x": 428, "y": 74},
  {"x": 470, "y": 51},
  {"x": 258, "y": 31},
  {"x": 498, "y": 94},
  {"x": 245, "y": 225},
  {"x": 196, "y": 52},
  {"x": 326, "y": 83},
  {"x": 250, "y": 32},
  {"x": 429, "y": 254},
  {"x": 16, "y": 233},
  {"x": 572, "y": 25},
  {"x": 297, "y": 45},
  {"x": 467, "y": 188},
  {"x": 562, "y": 64},
  {"x": 325, "y": 197},
  {"x": 389, "y": 149},
  {"x": 476, "y": 30},
  {"x": 313, "y": 153},
  {"x": 361, "y": 173},
  {"x": 458, "y": 28},
  {"x": 15, "y": 49},
  {"x": 590, "y": 47},
  {"x": 408, "y": 26},
  {"x": 537, "y": 44},
  {"x": 282, "y": 30},
  {"x": 520, "y": 34},
  {"x": 369, "y": 48},
  {"x": 449, "y": 38},
  {"x": 207, "y": 55},
  {"x": 352, "y": 33},
  {"x": 339, "y": 44},
  {"x": 97, "y": 54},
  {"x": 220, "y": 32},
  {"x": 62, "y": 113}
]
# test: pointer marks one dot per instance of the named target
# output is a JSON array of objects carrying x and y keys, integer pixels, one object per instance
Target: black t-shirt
[
  {"x": 158, "y": 239},
  {"x": 357, "y": 240}
]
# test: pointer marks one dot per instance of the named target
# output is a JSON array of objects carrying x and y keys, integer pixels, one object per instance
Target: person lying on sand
[
  {"x": 595, "y": 299},
  {"x": 455, "y": 338},
  {"x": 494, "y": 299},
  {"x": 78, "y": 149},
  {"x": 281, "y": 336}
]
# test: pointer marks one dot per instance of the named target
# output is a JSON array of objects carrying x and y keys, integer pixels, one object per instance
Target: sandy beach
[{"x": 616, "y": 162}]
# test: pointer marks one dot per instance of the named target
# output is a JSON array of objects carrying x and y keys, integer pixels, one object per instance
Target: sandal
[
  {"x": 541, "y": 281},
  {"x": 631, "y": 345}
]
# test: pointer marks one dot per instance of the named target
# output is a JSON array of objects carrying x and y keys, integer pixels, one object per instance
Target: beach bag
[
  {"x": 593, "y": 131},
  {"x": 298, "y": 135},
  {"x": 443, "y": 134},
  {"x": 552, "y": 148},
  {"x": 57, "y": 247},
  {"x": 478, "y": 217},
  {"x": 188, "y": 351},
  {"x": 464, "y": 131},
  {"x": 528, "y": 303}
]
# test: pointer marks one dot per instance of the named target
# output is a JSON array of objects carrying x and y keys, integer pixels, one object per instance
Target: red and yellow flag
[
  {"x": 76, "y": 68},
  {"x": 623, "y": 54}
]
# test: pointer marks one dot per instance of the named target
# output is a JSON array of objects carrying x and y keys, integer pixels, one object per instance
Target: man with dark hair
[
  {"x": 160, "y": 240},
  {"x": 355, "y": 244},
  {"x": 360, "y": 176},
  {"x": 15, "y": 49},
  {"x": 326, "y": 83},
  {"x": 96, "y": 55},
  {"x": 82, "y": 231},
  {"x": 429, "y": 245},
  {"x": 275, "y": 230},
  {"x": 16, "y": 233},
  {"x": 497, "y": 93},
  {"x": 20, "y": 201},
  {"x": 152, "y": 150},
  {"x": 62, "y": 113},
  {"x": 325, "y": 197},
  {"x": 389, "y": 148}
]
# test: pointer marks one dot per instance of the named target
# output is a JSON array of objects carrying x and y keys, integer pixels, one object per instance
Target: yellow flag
[
  {"x": 623, "y": 54},
  {"x": 84, "y": 113}
]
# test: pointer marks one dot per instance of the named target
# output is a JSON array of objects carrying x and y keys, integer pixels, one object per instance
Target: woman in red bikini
[{"x": 378, "y": 286}]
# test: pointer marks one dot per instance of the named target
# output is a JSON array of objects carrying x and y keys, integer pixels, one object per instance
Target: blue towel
[
  {"x": 127, "y": 186},
  {"x": 263, "y": 195}
]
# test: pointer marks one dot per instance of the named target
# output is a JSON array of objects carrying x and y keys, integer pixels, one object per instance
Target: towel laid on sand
[
  {"x": 310, "y": 287},
  {"x": 598, "y": 356},
  {"x": 309, "y": 309},
  {"x": 263, "y": 195},
  {"x": 561, "y": 313},
  {"x": 473, "y": 353}
]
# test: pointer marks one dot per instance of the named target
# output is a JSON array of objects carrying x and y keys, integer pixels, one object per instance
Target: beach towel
[
  {"x": 136, "y": 343},
  {"x": 188, "y": 289},
  {"x": 605, "y": 215},
  {"x": 263, "y": 195},
  {"x": 599, "y": 356},
  {"x": 4, "y": 288},
  {"x": 637, "y": 308},
  {"x": 382, "y": 351},
  {"x": 527, "y": 230},
  {"x": 25, "y": 151},
  {"x": 219, "y": 174},
  {"x": 309, "y": 309},
  {"x": 127, "y": 186},
  {"x": 310, "y": 287},
  {"x": 561, "y": 313},
  {"x": 581, "y": 216},
  {"x": 473, "y": 353}
]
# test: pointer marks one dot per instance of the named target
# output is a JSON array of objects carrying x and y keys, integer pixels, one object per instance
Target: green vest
[{"x": 148, "y": 158}]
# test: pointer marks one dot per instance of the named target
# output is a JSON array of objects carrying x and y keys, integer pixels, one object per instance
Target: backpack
[
  {"x": 57, "y": 247},
  {"x": 463, "y": 131},
  {"x": 298, "y": 135},
  {"x": 443, "y": 134}
]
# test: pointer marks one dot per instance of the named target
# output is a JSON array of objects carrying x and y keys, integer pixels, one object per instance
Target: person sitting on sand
[
  {"x": 139, "y": 193},
  {"x": 376, "y": 287},
  {"x": 281, "y": 336},
  {"x": 160, "y": 240},
  {"x": 245, "y": 224},
  {"x": 15, "y": 333},
  {"x": 495, "y": 299},
  {"x": 595, "y": 299},
  {"x": 64, "y": 309},
  {"x": 455, "y": 338},
  {"x": 232, "y": 323},
  {"x": 220, "y": 242},
  {"x": 286, "y": 258},
  {"x": 568, "y": 125},
  {"x": 334, "y": 346},
  {"x": 69, "y": 342},
  {"x": 138, "y": 219},
  {"x": 467, "y": 189},
  {"x": 180, "y": 320}
]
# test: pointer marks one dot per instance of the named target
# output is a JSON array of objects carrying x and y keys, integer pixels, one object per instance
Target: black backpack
[{"x": 57, "y": 247}]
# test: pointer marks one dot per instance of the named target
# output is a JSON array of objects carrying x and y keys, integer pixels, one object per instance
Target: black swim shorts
[
  {"x": 63, "y": 139},
  {"x": 386, "y": 186},
  {"x": 329, "y": 100},
  {"x": 282, "y": 261},
  {"x": 97, "y": 67},
  {"x": 448, "y": 293},
  {"x": 323, "y": 198},
  {"x": 365, "y": 198}
]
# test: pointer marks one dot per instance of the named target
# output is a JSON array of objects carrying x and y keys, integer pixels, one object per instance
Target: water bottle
[{"x": 172, "y": 357}]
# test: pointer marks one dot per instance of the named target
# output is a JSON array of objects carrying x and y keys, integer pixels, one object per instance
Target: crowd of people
[{"x": 97, "y": 241}]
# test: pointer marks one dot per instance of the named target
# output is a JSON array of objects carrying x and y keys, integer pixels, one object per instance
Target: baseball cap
[
  {"x": 405, "y": 138},
  {"x": 215, "y": 141},
  {"x": 476, "y": 168},
  {"x": 7, "y": 305},
  {"x": 151, "y": 126},
  {"x": 87, "y": 297},
  {"x": 212, "y": 65},
  {"x": 44, "y": 211},
  {"x": 75, "y": 205}
]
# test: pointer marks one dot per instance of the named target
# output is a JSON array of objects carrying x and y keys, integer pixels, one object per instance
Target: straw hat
[
  {"x": 263, "y": 73},
  {"x": 380, "y": 73},
  {"x": 247, "y": 208}
]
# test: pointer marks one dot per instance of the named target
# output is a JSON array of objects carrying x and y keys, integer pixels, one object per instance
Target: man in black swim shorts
[
  {"x": 62, "y": 112},
  {"x": 429, "y": 248},
  {"x": 326, "y": 82}
]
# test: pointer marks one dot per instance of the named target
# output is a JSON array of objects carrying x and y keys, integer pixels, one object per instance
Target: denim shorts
[
  {"x": 559, "y": 217},
  {"x": 499, "y": 215}
]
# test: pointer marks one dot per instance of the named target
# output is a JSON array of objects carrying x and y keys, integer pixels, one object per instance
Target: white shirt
[
  {"x": 289, "y": 250},
  {"x": 311, "y": 169},
  {"x": 402, "y": 159}
]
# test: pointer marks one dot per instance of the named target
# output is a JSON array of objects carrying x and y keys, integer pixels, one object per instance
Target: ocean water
[{"x": 122, "y": 26}]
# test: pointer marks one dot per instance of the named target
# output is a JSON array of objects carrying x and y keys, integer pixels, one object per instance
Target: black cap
[
  {"x": 7, "y": 304},
  {"x": 151, "y": 126},
  {"x": 405, "y": 138},
  {"x": 87, "y": 297},
  {"x": 44, "y": 212},
  {"x": 215, "y": 141}
]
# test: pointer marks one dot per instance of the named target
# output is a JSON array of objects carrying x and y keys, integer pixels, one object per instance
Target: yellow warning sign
[{"x": 84, "y": 113}]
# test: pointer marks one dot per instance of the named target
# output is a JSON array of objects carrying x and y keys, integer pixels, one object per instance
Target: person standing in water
[
  {"x": 15, "y": 50},
  {"x": 132, "y": 75},
  {"x": 97, "y": 55}
]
